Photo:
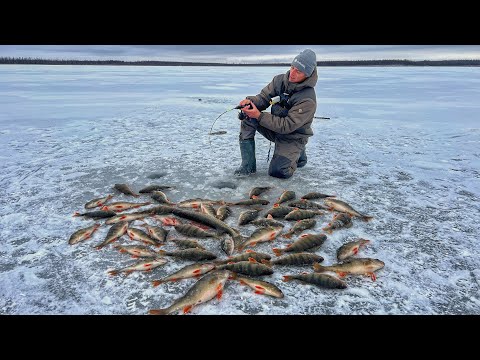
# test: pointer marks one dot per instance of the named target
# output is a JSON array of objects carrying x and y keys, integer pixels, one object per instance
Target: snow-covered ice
[{"x": 402, "y": 144}]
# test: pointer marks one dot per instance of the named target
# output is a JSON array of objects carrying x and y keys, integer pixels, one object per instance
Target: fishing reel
[{"x": 241, "y": 114}]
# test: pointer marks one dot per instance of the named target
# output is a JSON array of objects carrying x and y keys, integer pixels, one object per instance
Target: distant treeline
[{"x": 34, "y": 61}]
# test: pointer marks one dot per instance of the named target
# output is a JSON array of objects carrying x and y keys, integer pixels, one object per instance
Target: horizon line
[{"x": 7, "y": 60}]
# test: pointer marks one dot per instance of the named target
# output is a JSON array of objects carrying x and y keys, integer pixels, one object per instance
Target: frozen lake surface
[{"x": 402, "y": 144}]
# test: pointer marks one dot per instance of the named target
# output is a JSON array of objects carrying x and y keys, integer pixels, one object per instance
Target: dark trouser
[{"x": 287, "y": 148}]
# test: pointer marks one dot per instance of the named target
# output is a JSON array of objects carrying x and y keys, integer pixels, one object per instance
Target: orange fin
[
  {"x": 157, "y": 282},
  {"x": 219, "y": 294},
  {"x": 157, "y": 312}
]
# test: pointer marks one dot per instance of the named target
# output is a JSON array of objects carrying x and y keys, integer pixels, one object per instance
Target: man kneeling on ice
[{"x": 293, "y": 99}]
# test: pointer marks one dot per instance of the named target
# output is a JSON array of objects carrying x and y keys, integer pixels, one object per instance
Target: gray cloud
[{"x": 240, "y": 53}]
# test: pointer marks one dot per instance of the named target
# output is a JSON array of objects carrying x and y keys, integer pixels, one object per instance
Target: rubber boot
[
  {"x": 249, "y": 163},
  {"x": 302, "y": 160}
]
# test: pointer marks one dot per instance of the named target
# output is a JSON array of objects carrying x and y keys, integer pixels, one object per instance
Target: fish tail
[
  {"x": 266, "y": 262},
  {"x": 318, "y": 268},
  {"x": 158, "y": 312},
  {"x": 365, "y": 242},
  {"x": 277, "y": 251},
  {"x": 99, "y": 246},
  {"x": 327, "y": 229},
  {"x": 238, "y": 243}
]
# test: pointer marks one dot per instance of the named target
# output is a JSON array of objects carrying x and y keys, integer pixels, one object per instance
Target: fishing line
[{"x": 219, "y": 133}]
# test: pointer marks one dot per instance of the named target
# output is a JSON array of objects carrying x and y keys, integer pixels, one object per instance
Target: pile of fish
[{"x": 184, "y": 223}]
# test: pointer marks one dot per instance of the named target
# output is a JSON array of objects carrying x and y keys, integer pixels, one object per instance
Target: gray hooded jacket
[{"x": 296, "y": 115}]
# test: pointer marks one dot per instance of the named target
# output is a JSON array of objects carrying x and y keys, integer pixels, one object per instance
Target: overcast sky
[{"x": 240, "y": 53}]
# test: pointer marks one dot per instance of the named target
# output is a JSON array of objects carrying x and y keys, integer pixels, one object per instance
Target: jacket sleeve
[
  {"x": 262, "y": 100},
  {"x": 299, "y": 114}
]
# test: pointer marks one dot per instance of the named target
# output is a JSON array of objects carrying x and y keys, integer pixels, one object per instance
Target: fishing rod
[
  {"x": 239, "y": 107},
  {"x": 241, "y": 116}
]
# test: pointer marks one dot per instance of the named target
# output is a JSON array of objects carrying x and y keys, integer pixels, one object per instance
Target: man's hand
[
  {"x": 244, "y": 102},
  {"x": 252, "y": 112}
]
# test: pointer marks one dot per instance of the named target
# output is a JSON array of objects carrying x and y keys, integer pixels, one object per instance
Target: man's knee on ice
[{"x": 281, "y": 167}]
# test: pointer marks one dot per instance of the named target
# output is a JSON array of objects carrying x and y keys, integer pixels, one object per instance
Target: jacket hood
[{"x": 311, "y": 81}]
